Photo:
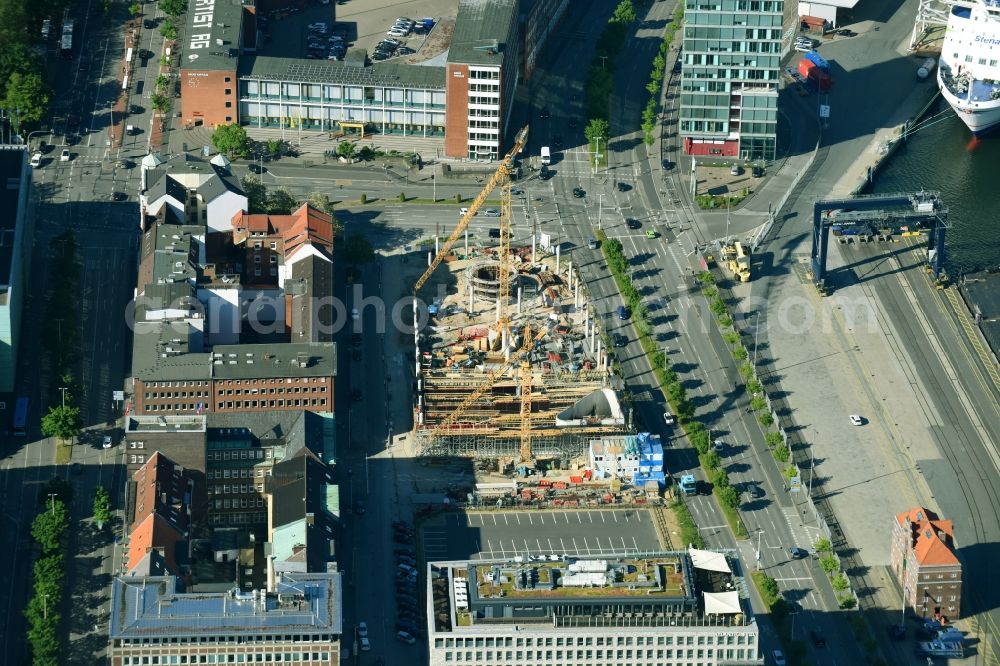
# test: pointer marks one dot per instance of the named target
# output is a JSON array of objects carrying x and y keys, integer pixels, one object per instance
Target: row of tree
[
  {"x": 61, "y": 337},
  {"x": 49, "y": 531},
  {"x": 23, "y": 91}
]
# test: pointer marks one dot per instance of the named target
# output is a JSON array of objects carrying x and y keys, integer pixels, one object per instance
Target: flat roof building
[
  {"x": 460, "y": 98},
  {"x": 16, "y": 238},
  {"x": 298, "y": 620},
  {"x": 672, "y": 609},
  {"x": 729, "y": 78}
]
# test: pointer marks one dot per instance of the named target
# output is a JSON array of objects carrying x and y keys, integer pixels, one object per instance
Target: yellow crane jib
[
  {"x": 503, "y": 172},
  {"x": 491, "y": 379}
]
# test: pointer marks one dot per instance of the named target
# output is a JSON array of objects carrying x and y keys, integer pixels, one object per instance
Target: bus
[
  {"x": 21, "y": 417},
  {"x": 66, "y": 44}
]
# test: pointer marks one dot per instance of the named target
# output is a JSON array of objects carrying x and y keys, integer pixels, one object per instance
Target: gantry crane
[
  {"x": 491, "y": 379},
  {"x": 501, "y": 177}
]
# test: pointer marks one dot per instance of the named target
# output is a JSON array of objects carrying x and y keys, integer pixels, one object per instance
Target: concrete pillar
[
  {"x": 557, "y": 259},
  {"x": 520, "y": 293},
  {"x": 430, "y": 258},
  {"x": 467, "y": 241},
  {"x": 505, "y": 343}
]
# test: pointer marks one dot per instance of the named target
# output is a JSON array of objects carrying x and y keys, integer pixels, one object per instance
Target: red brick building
[{"x": 925, "y": 563}]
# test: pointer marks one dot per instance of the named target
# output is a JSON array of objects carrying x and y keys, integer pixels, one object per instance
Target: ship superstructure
[{"x": 969, "y": 71}]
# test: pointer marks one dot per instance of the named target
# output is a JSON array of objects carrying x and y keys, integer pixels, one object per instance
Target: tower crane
[
  {"x": 491, "y": 379},
  {"x": 501, "y": 177}
]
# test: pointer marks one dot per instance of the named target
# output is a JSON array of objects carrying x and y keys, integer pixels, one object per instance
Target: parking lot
[{"x": 506, "y": 534}]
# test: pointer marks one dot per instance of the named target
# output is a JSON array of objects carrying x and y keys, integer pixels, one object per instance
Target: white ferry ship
[{"x": 969, "y": 69}]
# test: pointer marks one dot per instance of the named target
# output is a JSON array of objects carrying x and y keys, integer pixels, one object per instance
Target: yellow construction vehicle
[{"x": 736, "y": 259}]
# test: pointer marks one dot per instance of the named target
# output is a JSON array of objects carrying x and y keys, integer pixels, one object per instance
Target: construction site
[{"x": 512, "y": 369}]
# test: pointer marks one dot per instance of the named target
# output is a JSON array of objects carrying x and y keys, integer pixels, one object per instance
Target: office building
[
  {"x": 296, "y": 621},
  {"x": 16, "y": 238},
  {"x": 231, "y": 314},
  {"x": 924, "y": 560},
  {"x": 457, "y": 93},
  {"x": 729, "y": 78},
  {"x": 673, "y": 609}
]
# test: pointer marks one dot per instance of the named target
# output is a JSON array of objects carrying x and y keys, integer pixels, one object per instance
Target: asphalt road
[
  {"x": 663, "y": 272},
  {"x": 73, "y": 195}
]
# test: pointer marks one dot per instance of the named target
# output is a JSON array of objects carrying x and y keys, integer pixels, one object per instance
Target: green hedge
[{"x": 656, "y": 75}]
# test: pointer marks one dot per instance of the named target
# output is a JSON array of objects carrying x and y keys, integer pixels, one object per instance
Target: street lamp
[
  {"x": 27, "y": 140},
  {"x": 760, "y": 533},
  {"x": 63, "y": 389},
  {"x": 52, "y": 502}
]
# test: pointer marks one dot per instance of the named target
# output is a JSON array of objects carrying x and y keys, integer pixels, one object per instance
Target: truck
[
  {"x": 815, "y": 75},
  {"x": 950, "y": 649},
  {"x": 688, "y": 485},
  {"x": 546, "y": 156},
  {"x": 815, "y": 58}
]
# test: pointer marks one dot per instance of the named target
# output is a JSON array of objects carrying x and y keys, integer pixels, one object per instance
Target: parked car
[
  {"x": 405, "y": 637},
  {"x": 623, "y": 187},
  {"x": 579, "y": 193},
  {"x": 757, "y": 171},
  {"x": 778, "y": 657},
  {"x": 396, "y": 32},
  {"x": 106, "y": 442},
  {"x": 856, "y": 419},
  {"x": 735, "y": 170},
  {"x": 363, "y": 629},
  {"x": 118, "y": 196},
  {"x": 36, "y": 160},
  {"x": 365, "y": 645}
]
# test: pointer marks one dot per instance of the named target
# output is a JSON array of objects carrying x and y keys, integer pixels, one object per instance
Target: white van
[{"x": 546, "y": 155}]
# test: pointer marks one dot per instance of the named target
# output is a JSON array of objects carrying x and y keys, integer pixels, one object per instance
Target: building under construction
[{"x": 480, "y": 395}]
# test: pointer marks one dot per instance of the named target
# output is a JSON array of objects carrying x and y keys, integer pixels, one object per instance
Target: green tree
[
  {"x": 366, "y": 154},
  {"x": 160, "y": 102},
  {"x": 102, "y": 506},
  {"x": 29, "y": 95},
  {"x": 823, "y": 545},
  {"x": 597, "y": 128},
  {"x": 232, "y": 140},
  {"x": 712, "y": 460},
  {"x": 281, "y": 202},
  {"x": 62, "y": 422},
  {"x": 729, "y": 497},
  {"x": 754, "y": 387},
  {"x": 50, "y": 525},
  {"x": 774, "y": 439},
  {"x": 746, "y": 371},
  {"x": 168, "y": 31},
  {"x": 346, "y": 149},
  {"x": 274, "y": 147},
  {"x": 44, "y": 639},
  {"x": 135, "y": 9},
  {"x": 720, "y": 479},
  {"x": 731, "y": 337},
  {"x": 358, "y": 249},
  {"x": 624, "y": 12},
  {"x": 173, "y": 7},
  {"x": 256, "y": 194},
  {"x": 765, "y": 419},
  {"x": 15, "y": 56},
  {"x": 840, "y": 583},
  {"x": 162, "y": 83},
  {"x": 829, "y": 564},
  {"x": 758, "y": 403}
]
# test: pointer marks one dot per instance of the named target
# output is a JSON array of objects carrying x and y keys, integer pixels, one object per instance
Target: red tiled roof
[
  {"x": 932, "y": 539},
  {"x": 155, "y": 532},
  {"x": 306, "y": 224}
]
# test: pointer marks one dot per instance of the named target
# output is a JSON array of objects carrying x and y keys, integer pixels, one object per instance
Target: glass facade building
[
  {"x": 386, "y": 109},
  {"x": 729, "y": 77}
]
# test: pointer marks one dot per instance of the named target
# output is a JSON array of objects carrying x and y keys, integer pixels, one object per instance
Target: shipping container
[{"x": 818, "y": 60}]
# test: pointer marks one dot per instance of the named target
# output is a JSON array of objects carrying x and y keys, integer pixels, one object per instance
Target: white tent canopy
[
  {"x": 709, "y": 560},
  {"x": 722, "y": 603}
]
